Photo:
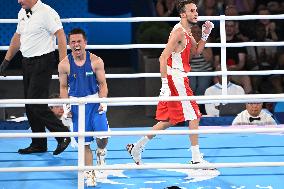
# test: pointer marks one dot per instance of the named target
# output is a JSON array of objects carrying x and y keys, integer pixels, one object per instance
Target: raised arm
[{"x": 197, "y": 48}]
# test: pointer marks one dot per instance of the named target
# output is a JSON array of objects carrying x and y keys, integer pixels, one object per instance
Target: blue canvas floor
[{"x": 173, "y": 149}]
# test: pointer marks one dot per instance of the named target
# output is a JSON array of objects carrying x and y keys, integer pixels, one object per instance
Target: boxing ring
[{"x": 244, "y": 157}]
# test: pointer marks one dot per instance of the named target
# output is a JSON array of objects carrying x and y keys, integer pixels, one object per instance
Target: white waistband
[{"x": 89, "y": 96}]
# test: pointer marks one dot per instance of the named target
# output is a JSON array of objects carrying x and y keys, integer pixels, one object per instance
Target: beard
[{"x": 191, "y": 23}]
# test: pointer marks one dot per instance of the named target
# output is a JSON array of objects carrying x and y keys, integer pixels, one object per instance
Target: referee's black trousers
[{"x": 37, "y": 74}]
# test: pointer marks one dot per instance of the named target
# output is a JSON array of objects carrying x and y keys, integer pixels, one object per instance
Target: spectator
[
  {"x": 280, "y": 66},
  {"x": 274, "y": 7},
  {"x": 166, "y": 8},
  {"x": 263, "y": 58},
  {"x": 232, "y": 89},
  {"x": 243, "y": 6},
  {"x": 254, "y": 115},
  {"x": 231, "y": 10},
  {"x": 242, "y": 28},
  {"x": 270, "y": 27},
  {"x": 235, "y": 59},
  {"x": 210, "y": 8}
]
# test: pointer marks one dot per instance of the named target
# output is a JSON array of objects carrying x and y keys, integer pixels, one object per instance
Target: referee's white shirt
[
  {"x": 243, "y": 119},
  {"x": 37, "y": 31},
  {"x": 216, "y": 89}
]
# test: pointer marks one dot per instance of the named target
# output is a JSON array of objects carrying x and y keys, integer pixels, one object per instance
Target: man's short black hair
[
  {"x": 77, "y": 31},
  {"x": 54, "y": 95},
  {"x": 180, "y": 4}
]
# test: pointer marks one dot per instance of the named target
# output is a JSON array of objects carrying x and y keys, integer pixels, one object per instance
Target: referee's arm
[
  {"x": 14, "y": 46},
  {"x": 62, "y": 44}
]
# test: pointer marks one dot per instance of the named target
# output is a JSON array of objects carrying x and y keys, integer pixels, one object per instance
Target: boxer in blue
[{"x": 82, "y": 74}]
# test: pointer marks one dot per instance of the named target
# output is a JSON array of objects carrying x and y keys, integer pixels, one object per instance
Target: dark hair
[
  {"x": 77, "y": 31},
  {"x": 180, "y": 5},
  {"x": 233, "y": 21},
  {"x": 263, "y": 9},
  {"x": 230, "y": 7},
  {"x": 54, "y": 95}
]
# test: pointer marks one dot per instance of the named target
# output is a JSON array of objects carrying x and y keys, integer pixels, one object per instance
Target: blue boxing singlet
[{"x": 82, "y": 80}]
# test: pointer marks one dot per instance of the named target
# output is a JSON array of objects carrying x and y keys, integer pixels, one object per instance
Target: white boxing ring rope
[
  {"x": 158, "y": 19},
  {"x": 158, "y": 46},
  {"x": 152, "y": 75},
  {"x": 131, "y": 101},
  {"x": 143, "y": 133},
  {"x": 81, "y": 167},
  {"x": 145, "y": 100},
  {"x": 81, "y": 134}
]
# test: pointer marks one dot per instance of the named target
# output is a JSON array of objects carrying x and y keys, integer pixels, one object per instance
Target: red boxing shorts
[{"x": 178, "y": 111}]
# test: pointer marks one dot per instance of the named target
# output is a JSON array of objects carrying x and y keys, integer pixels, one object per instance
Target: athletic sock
[
  {"x": 196, "y": 157},
  {"x": 142, "y": 142}
]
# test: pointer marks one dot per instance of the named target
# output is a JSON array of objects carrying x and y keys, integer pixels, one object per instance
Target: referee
[{"x": 38, "y": 27}]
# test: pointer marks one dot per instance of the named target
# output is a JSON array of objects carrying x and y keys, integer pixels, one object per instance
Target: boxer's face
[
  {"x": 190, "y": 13},
  {"x": 77, "y": 44}
]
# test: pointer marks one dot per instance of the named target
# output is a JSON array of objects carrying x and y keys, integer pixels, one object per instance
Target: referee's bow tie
[
  {"x": 28, "y": 12},
  {"x": 251, "y": 119}
]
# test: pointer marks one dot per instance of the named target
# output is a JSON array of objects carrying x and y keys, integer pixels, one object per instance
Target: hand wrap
[
  {"x": 165, "y": 90},
  {"x": 206, "y": 30}
]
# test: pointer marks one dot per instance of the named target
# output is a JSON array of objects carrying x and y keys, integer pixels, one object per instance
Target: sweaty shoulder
[
  {"x": 177, "y": 33},
  {"x": 95, "y": 59},
  {"x": 64, "y": 64},
  {"x": 65, "y": 60}
]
